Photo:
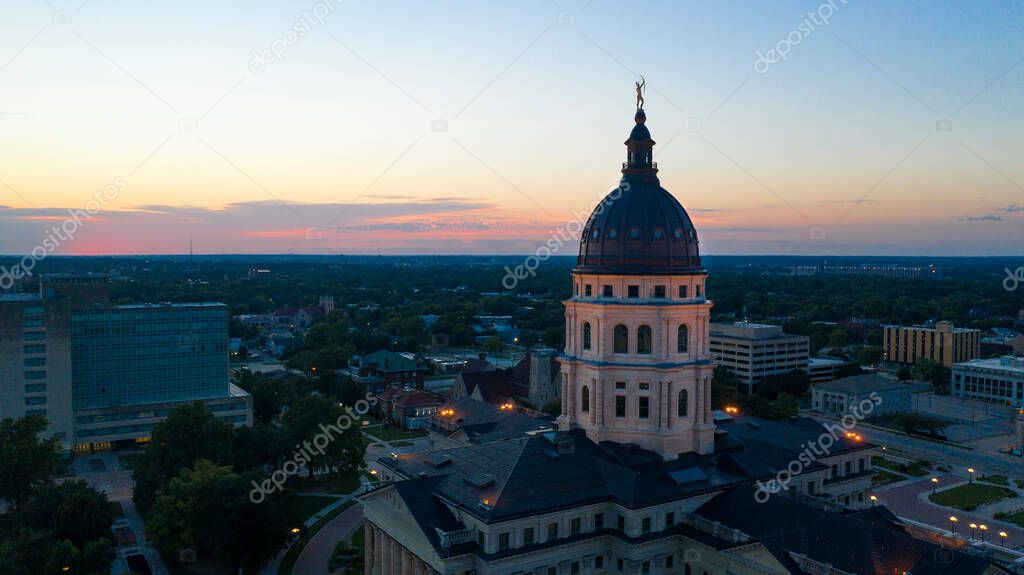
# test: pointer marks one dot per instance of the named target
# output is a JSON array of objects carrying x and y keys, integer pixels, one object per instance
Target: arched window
[
  {"x": 643, "y": 339},
  {"x": 684, "y": 403},
  {"x": 683, "y": 336},
  {"x": 586, "y": 335},
  {"x": 621, "y": 339},
  {"x": 585, "y": 399}
]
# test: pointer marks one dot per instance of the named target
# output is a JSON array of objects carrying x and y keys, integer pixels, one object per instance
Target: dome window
[
  {"x": 634, "y": 233},
  {"x": 679, "y": 233},
  {"x": 659, "y": 233},
  {"x": 612, "y": 233},
  {"x": 595, "y": 233}
]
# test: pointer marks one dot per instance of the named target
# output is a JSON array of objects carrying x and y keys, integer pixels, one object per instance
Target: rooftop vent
[
  {"x": 439, "y": 459},
  {"x": 688, "y": 475},
  {"x": 552, "y": 454},
  {"x": 480, "y": 480}
]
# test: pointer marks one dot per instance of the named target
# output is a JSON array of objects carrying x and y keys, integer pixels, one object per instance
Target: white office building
[{"x": 1000, "y": 380}]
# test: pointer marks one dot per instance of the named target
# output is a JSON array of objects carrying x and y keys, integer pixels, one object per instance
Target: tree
[
  {"x": 552, "y": 407},
  {"x": 260, "y": 447},
  {"x": 869, "y": 355},
  {"x": 26, "y": 459},
  {"x": 494, "y": 345},
  {"x": 189, "y": 433},
  {"x": 311, "y": 416},
  {"x": 838, "y": 338},
  {"x": 904, "y": 373},
  {"x": 933, "y": 372},
  {"x": 71, "y": 509}
]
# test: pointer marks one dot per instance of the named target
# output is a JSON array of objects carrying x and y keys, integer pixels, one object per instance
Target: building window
[
  {"x": 503, "y": 541},
  {"x": 643, "y": 340},
  {"x": 34, "y": 335},
  {"x": 659, "y": 292},
  {"x": 621, "y": 523},
  {"x": 552, "y": 531},
  {"x": 644, "y": 386},
  {"x": 35, "y": 375},
  {"x": 599, "y": 521},
  {"x": 35, "y": 388},
  {"x": 575, "y": 568},
  {"x": 670, "y": 561},
  {"x": 633, "y": 292},
  {"x": 608, "y": 291},
  {"x": 644, "y": 407},
  {"x": 35, "y": 401},
  {"x": 621, "y": 339},
  {"x": 620, "y": 406},
  {"x": 670, "y": 519},
  {"x": 682, "y": 292},
  {"x": 586, "y": 335},
  {"x": 576, "y": 526},
  {"x": 37, "y": 348},
  {"x": 697, "y": 291},
  {"x": 646, "y": 567},
  {"x": 35, "y": 361},
  {"x": 682, "y": 339},
  {"x": 684, "y": 403},
  {"x": 599, "y": 562},
  {"x": 528, "y": 536},
  {"x": 588, "y": 290},
  {"x": 585, "y": 399},
  {"x": 645, "y": 525},
  {"x": 620, "y": 385}
]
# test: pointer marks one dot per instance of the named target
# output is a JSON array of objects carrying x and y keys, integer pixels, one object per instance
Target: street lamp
[
  {"x": 973, "y": 527},
  {"x": 983, "y": 528},
  {"x": 935, "y": 483},
  {"x": 874, "y": 499},
  {"x": 970, "y": 470},
  {"x": 952, "y": 523},
  {"x": 1002, "y": 538}
]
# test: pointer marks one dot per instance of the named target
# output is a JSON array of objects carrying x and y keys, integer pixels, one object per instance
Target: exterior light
[
  {"x": 971, "y": 471},
  {"x": 373, "y": 472},
  {"x": 983, "y": 528},
  {"x": 1002, "y": 538},
  {"x": 952, "y": 523},
  {"x": 295, "y": 530},
  {"x": 935, "y": 483},
  {"x": 873, "y": 499}
]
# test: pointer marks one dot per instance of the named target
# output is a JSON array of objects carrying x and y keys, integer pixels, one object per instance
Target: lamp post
[
  {"x": 970, "y": 471},
  {"x": 983, "y": 528},
  {"x": 952, "y": 523},
  {"x": 1002, "y": 538},
  {"x": 973, "y": 527},
  {"x": 874, "y": 499},
  {"x": 935, "y": 483}
]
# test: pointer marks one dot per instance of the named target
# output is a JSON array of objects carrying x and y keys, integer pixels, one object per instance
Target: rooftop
[
  {"x": 863, "y": 384},
  {"x": 1007, "y": 364}
]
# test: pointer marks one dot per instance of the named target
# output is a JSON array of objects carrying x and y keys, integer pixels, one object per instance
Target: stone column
[
  {"x": 368, "y": 549},
  {"x": 378, "y": 551}
]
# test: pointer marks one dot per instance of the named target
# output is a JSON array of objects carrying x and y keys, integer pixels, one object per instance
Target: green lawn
[
  {"x": 1020, "y": 483},
  {"x": 349, "y": 554},
  {"x": 393, "y": 433},
  {"x": 969, "y": 496},
  {"x": 307, "y": 505},
  {"x": 996, "y": 480},
  {"x": 342, "y": 485},
  {"x": 881, "y": 477},
  {"x": 288, "y": 563},
  {"x": 1016, "y": 518},
  {"x": 916, "y": 468}
]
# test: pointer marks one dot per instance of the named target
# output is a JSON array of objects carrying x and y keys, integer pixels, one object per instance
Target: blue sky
[{"x": 480, "y": 127}]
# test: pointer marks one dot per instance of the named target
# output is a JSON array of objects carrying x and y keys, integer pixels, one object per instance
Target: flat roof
[
  {"x": 169, "y": 305},
  {"x": 863, "y": 384},
  {"x": 16, "y": 297},
  {"x": 1011, "y": 365}
]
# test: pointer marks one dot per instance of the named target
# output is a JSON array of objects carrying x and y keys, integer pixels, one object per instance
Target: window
[
  {"x": 33, "y": 310},
  {"x": 670, "y": 519},
  {"x": 552, "y": 570},
  {"x": 598, "y": 520},
  {"x": 588, "y": 290},
  {"x": 37, "y": 348},
  {"x": 646, "y": 567},
  {"x": 35, "y": 401},
  {"x": 684, "y": 403},
  {"x": 644, "y": 407},
  {"x": 585, "y": 399},
  {"x": 682, "y": 292},
  {"x": 552, "y": 531},
  {"x": 645, "y": 525},
  {"x": 34, "y": 336},
  {"x": 607, "y": 291},
  {"x": 41, "y": 412},
  {"x": 480, "y": 538},
  {"x": 576, "y": 526},
  {"x": 35, "y": 387},
  {"x": 659, "y": 292},
  {"x": 644, "y": 386},
  {"x": 620, "y": 385},
  {"x": 621, "y": 523},
  {"x": 621, "y": 339},
  {"x": 33, "y": 322},
  {"x": 670, "y": 561},
  {"x": 643, "y": 340},
  {"x": 575, "y": 568},
  {"x": 633, "y": 292},
  {"x": 503, "y": 541},
  {"x": 682, "y": 339},
  {"x": 528, "y": 536},
  {"x": 32, "y": 375},
  {"x": 599, "y": 562},
  {"x": 696, "y": 290},
  {"x": 586, "y": 335},
  {"x": 620, "y": 406}
]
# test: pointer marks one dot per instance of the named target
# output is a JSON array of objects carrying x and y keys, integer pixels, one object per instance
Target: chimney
[{"x": 564, "y": 443}]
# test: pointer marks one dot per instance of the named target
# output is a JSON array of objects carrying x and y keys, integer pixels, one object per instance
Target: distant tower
[
  {"x": 542, "y": 384},
  {"x": 1020, "y": 429},
  {"x": 327, "y": 303},
  {"x": 636, "y": 367}
]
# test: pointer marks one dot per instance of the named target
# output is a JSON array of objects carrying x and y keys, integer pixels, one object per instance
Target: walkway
[{"x": 316, "y": 557}]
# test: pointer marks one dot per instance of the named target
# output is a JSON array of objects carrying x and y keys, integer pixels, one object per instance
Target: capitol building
[{"x": 641, "y": 475}]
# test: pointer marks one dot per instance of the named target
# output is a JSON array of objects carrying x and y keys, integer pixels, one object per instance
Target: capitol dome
[{"x": 639, "y": 228}]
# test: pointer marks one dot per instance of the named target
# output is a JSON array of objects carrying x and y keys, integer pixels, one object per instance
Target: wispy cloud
[{"x": 985, "y": 218}]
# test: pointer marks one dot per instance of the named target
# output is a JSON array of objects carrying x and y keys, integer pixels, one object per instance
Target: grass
[
  {"x": 996, "y": 480},
  {"x": 916, "y": 469},
  {"x": 401, "y": 443},
  {"x": 306, "y": 506},
  {"x": 881, "y": 477},
  {"x": 115, "y": 509},
  {"x": 292, "y": 555},
  {"x": 1020, "y": 483},
  {"x": 391, "y": 433},
  {"x": 349, "y": 554},
  {"x": 970, "y": 496},
  {"x": 1015, "y": 518}
]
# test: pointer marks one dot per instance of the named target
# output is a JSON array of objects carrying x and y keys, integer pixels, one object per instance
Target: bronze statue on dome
[{"x": 640, "y": 88}]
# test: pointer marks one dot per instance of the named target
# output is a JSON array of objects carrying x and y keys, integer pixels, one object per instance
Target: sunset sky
[{"x": 480, "y": 127}]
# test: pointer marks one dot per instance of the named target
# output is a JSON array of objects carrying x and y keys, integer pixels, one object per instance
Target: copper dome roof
[{"x": 639, "y": 228}]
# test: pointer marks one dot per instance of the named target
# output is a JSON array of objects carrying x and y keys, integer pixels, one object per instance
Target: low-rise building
[
  {"x": 408, "y": 407},
  {"x": 847, "y": 395},
  {"x": 753, "y": 351},
  {"x": 944, "y": 343},
  {"x": 1000, "y": 380},
  {"x": 535, "y": 380},
  {"x": 384, "y": 368},
  {"x": 822, "y": 369}
]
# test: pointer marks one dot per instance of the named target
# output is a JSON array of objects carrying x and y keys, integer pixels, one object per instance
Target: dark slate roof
[
  {"x": 785, "y": 439},
  {"x": 530, "y": 476},
  {"x": 496, "y": 386},
  {"x": 484, "y": 422},
  {"x": 856, "y": 543}
]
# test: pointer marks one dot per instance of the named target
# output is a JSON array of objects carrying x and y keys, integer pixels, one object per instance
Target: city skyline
[{"x": 886, "y": 130}]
